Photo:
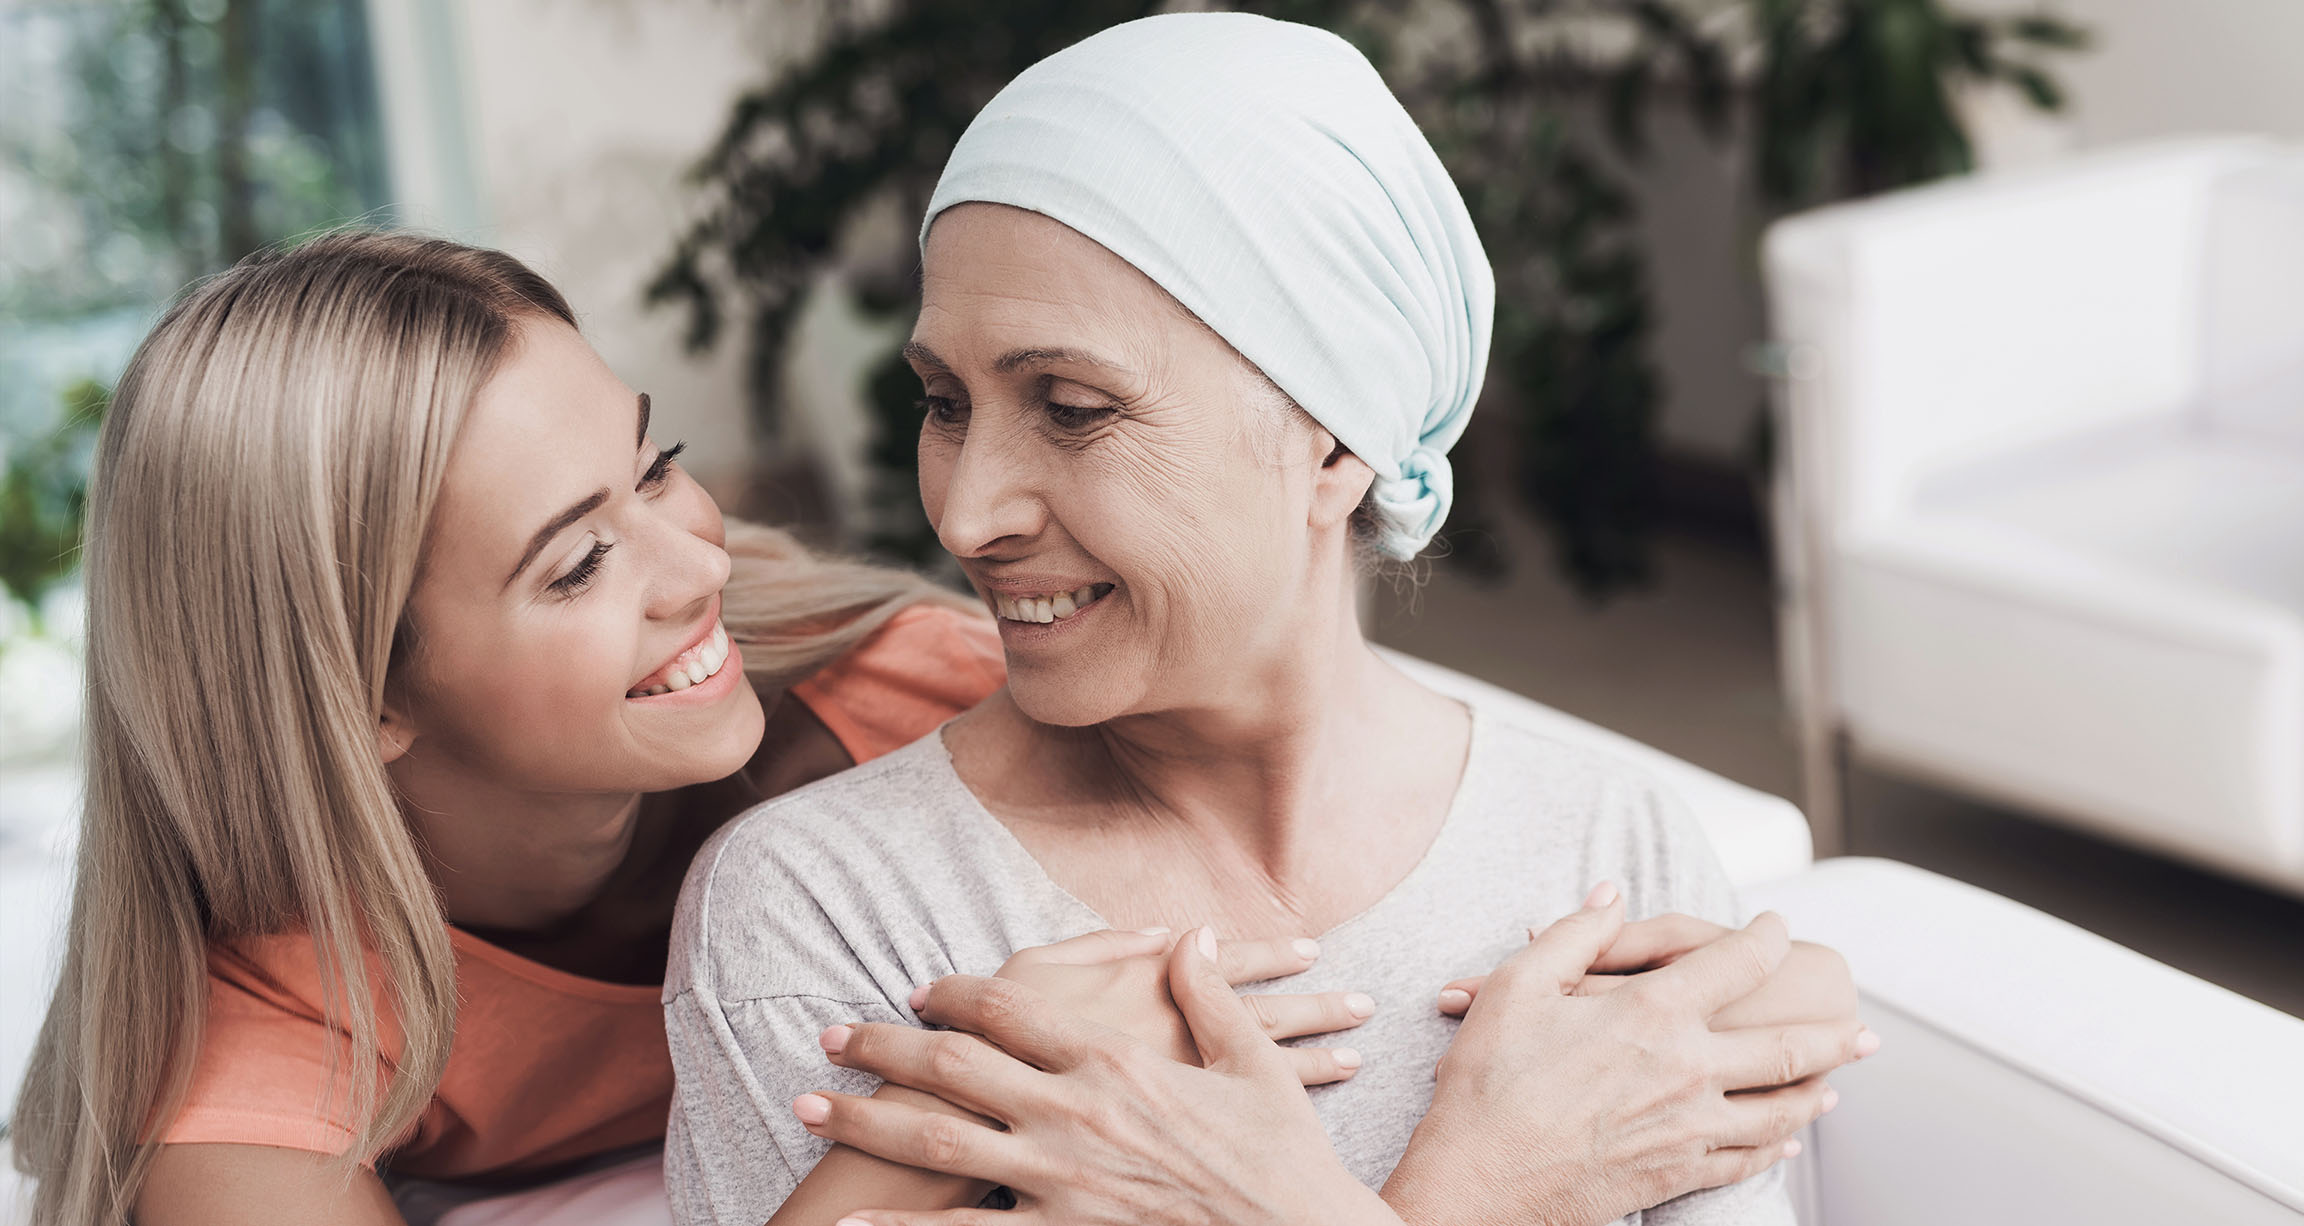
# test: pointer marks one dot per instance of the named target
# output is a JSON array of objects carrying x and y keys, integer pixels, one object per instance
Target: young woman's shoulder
[
  {"x": 928, "y": 664},
  {"x": 268, "y": 1057}
]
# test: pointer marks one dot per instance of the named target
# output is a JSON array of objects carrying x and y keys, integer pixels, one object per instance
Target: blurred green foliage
[
  {"x": 158, "y": 140},
  {"x": 143, "y": 144},
  {"x": 1536, "y": 106},
  {"x": 44, "y": 497}
]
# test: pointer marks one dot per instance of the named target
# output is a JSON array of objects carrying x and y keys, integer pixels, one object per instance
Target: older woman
[{"x": 1202, "y": 316}]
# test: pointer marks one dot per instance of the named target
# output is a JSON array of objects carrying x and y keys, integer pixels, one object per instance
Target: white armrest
[
  {"x": 2033, "y": 1072},
  {"x": 1936, "y": 326}
]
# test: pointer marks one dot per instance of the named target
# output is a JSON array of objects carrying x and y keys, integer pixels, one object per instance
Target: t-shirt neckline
[{"x": 1029, "y": 868}]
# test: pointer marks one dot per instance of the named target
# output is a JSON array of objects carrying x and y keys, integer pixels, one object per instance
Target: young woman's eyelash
[
  {"x": 580, "y": 575},
  {"x": 662, "y": 468}
]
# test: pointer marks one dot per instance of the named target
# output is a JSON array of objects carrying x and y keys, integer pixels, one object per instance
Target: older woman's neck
[{"x": 1322, "y": 743}]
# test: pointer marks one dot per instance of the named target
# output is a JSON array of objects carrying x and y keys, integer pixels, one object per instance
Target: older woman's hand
[
  {"x": 1100, "y": 1126},
  {"x": 1560, "y": 1107},
  {"x": 1120, "y": 979}
]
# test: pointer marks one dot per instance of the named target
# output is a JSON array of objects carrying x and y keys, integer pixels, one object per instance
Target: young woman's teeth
[
  {"x": 694, "y": 666},
  {"x": 1054, "y": 607}
]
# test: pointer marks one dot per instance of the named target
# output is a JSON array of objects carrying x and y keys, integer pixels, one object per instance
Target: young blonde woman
[{"x": 417, "y": 672}]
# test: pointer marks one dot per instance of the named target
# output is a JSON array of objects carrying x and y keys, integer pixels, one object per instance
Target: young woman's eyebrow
[{"x": 578, "y": 510}]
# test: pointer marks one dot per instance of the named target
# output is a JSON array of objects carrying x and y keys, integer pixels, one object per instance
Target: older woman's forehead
[{"x": 998, "y": 281}]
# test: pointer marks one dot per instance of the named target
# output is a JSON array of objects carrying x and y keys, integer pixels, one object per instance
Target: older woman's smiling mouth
[{"x": 1045, "y": 607}]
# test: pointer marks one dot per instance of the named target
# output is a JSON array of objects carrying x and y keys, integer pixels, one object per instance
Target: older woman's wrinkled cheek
[{"x": 1196, "y": 528}]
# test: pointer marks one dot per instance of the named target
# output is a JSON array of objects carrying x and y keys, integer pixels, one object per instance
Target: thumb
[
  {"x": 1557, "y": 959},
  {"x": 1222, "y": 1028}
]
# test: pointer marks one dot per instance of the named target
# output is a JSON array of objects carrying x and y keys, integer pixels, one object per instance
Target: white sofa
[
  {"x": 2041, "y": 498},
  {"x": 2031, "y": 1073}
]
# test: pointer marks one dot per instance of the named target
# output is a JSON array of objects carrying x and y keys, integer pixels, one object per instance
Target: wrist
[
  {"x": 1434, "y": 1186},
  {"x": 1353, "y": 1203}
]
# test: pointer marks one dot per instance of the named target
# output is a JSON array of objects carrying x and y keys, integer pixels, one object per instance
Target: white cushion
[{"x": 2032, "y": 1072}]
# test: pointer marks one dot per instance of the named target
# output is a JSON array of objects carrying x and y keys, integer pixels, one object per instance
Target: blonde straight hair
[{"x": 261, "y": 492}]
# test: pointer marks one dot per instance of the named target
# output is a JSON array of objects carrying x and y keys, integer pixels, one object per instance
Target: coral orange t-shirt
[{"x": 547, "y": 1066}]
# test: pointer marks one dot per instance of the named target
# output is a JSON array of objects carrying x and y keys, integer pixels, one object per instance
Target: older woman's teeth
[
  {"x": 694, "y": 666},
  {"x": 1051, "y": 608}
]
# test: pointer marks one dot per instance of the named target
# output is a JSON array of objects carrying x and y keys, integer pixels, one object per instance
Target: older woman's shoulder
[
  {"x": 821, "y": 862},
  {"x": 1582, "y": 800}
]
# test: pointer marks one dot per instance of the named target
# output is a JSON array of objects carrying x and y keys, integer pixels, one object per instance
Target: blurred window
[{"x": 144, "y": 143}]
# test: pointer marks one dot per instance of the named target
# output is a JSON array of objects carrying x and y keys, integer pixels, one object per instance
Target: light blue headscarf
[{"x": 1261, "y": 173}]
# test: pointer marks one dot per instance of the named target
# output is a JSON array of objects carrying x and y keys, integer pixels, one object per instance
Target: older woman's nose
[{"x": 988, "y": 498}]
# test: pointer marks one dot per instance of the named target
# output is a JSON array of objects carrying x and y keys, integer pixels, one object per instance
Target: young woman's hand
[
  {"x": 1560, "y": 1107},
  {"x": 1120, "y": 979},
  {"x": 1092, "y": 1125}
]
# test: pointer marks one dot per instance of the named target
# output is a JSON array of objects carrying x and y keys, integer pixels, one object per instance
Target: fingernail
[
  {"x": 1207, "y": 944},
  {"x": 1346, "y": 1057},
  {"x": 812, "y": 1108},
  {"x": 1455, "y": 1000},
  {"x": 851, "y": 1221},
  {"x": 1792, "y": 1149},
  {"x": 1866, "y": 1043},
  {"x": 834, "y": 1039},
  {"x": 1360, "y": 1004},
  {"x": 1831, "y": 1098},
  {"x": 1152, "y": 932},
  {"x": 918, "y": 998},
  {"x": 1305, "y": 947},
  {"x": 1601, "y": 895}
]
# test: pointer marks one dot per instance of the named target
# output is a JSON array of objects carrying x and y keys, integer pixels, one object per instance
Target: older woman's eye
[
  {"x": 1077, "y": 416},
  {"x": 942, "y": 410}
]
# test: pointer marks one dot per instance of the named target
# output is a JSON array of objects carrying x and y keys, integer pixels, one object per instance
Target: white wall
[
  {"x": 2157, "y": 68},
  {"x": 561, "y": 130},
  {"x": 2166, "y": 67},
  {"x": 578, "y": 117}
]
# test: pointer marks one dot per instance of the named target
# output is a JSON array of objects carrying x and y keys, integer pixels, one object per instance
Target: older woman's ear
[{"x": 1340, "y": 484}]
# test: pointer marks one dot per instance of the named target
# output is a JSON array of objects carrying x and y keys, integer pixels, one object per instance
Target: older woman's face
[{"x": 1145, "y": 518}]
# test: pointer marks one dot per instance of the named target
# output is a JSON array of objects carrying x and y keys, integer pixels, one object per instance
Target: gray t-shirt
[{"x": 832, "y": 903}]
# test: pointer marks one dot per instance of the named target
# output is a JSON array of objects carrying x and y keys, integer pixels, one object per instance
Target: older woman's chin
[{"x": 1064, "y": 697}]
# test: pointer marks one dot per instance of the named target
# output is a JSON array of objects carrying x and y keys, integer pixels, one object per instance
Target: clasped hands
[{"x": 1604, "y": 1068}]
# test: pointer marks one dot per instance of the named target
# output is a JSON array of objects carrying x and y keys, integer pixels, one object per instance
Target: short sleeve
[
  {"x": 759, "y": 967},
  {"x": 1676, "y": 869},
  {"x": 269, "y": 1070},
  {"x": 734, "y": 1151}
]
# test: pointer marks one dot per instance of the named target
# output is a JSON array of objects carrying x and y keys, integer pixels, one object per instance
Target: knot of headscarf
[{"x": 1261, "y": 173}]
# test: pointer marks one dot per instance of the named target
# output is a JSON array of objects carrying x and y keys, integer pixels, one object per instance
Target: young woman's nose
[
  {"x": 690, "y": 570},
  {"x": 988, "y": 498}
]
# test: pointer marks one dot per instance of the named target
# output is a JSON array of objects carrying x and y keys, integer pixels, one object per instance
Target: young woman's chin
[{"x": 701, "y": 733}]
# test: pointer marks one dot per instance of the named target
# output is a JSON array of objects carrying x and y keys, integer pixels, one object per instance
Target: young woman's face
[
  {"x": 1089, "y": 446},
  {"x": 567, "y": 613}
]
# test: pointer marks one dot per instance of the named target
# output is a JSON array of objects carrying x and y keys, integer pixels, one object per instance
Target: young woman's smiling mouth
[{"x": 695, "y": 667}]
